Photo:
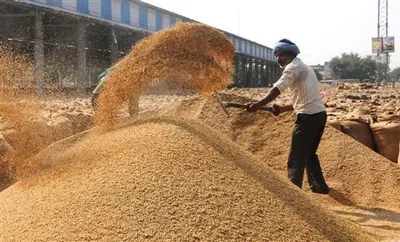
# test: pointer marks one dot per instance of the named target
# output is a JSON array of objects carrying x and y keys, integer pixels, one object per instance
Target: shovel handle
[{"x": 244, "y": 106}]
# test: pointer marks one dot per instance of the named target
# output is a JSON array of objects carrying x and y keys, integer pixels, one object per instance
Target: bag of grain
[
  {"x": 359, "y": 131},
  {"x": 387, "y": 138},
  {"x": 335, "y": 124},
  {"x": 398, "y": 159}
]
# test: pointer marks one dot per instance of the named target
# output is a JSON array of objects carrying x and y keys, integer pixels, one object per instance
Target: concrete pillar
[
  {"x": 243, "y": 70},
  {"x": 249, "y": 74},
  {"x": 269, "y": 74},
  {"x": 82, "y": 74},
  {"x": 39, "y": 52},
  {"x": 256, "y": 72},
  {"x": 273, "y": 74},
  {"x": 236, "y": 74},
  {"x": 260, "y": 73},
  {"x": 114, "y": 47},
  {"x": 264, "y": 75},
  {"x": 262, "y": 80}
]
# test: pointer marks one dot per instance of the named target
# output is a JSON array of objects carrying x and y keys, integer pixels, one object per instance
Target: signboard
[
  {"x": 388, "y": 44},
  {"x": 376, "y": 45},
  {"x": 383, "y": 44}
]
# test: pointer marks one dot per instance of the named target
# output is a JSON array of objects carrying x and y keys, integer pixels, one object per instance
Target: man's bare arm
[{"x": 271, "y": 95}]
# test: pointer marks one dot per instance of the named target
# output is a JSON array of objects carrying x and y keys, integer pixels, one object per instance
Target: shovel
[
  {"x": 225, "y": 105},
  {"x": 244, "y": 106}
]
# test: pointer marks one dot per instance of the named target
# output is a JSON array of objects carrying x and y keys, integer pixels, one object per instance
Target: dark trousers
[{"x": 306, "y": 136}]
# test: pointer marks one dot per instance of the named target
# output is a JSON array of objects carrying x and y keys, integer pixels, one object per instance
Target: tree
[
  {"x": 352, "y": 66},
  {"x": 319, "y": 76},
  {"x": 368, "y": 69},
  {"x": 395, "y": 74}
]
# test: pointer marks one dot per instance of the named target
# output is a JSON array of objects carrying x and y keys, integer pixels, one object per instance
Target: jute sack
[
  {"x": 359, "y": 131},
  {"x": 398, "y": 159},
  {"x": 387, "y": 138},
  {"x": 335, "y": 124}
]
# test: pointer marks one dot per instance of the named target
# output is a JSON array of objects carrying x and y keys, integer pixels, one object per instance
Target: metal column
[
  {"x": 81, "y": 57},
  {"x": 383, "y": 29},
  {"x": 39, "y": 52}
]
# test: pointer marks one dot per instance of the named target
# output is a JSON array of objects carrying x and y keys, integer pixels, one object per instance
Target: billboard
[
  {"x": 388, "y": 44},
  {"x": 376, "y": 45},
  {"x": 383, "y": 44}
]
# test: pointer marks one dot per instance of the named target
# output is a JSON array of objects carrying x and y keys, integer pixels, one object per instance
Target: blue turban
[{"x": 282, "y": 47}]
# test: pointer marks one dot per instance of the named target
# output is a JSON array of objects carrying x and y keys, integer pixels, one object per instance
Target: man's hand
[
  {"x": 278, "y": 107},
  {"x": 252, "y": 107},
  {"x": 282, "y": 108},
  {"x": 271, "y": 95}
]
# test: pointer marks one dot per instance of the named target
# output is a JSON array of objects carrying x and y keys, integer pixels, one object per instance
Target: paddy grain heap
[{"x": 163, "y": 179}]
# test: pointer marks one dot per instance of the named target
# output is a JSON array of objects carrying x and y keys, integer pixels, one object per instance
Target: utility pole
[{"x": 383, "y": 33}]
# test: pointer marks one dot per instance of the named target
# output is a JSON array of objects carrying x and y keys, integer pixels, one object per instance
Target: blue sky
[{"x": 321, "y": 28}]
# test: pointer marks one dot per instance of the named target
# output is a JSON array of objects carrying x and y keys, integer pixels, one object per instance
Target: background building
[{"x": 72, "y": 41}]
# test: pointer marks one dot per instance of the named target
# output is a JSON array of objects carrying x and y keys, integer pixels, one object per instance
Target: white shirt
[{"x": 302, "y": 84}]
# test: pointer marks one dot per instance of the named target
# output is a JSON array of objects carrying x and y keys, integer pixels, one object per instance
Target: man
[
  {"x": 133, "y": 105},
  {"x": 102, "y": 79},
  {"x": 302, "y": 84}
]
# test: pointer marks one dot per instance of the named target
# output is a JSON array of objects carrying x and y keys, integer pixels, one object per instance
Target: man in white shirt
[{"x": 302, "y": 84}]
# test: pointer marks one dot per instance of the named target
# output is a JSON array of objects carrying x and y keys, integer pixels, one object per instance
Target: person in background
[
  {"x": 302, "y": 85},
  {"x": 102, "y": 79},
  {"x": 133, "y": 106}
]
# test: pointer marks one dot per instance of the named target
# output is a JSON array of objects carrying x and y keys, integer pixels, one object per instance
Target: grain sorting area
[{"x": 187, "y": 172}]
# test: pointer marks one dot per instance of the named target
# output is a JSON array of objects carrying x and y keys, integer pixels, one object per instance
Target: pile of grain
[
  {"x": 190, "y": 55},
  {"x": 361, "y": 175},
  {"x": 163, "y": 179}
]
